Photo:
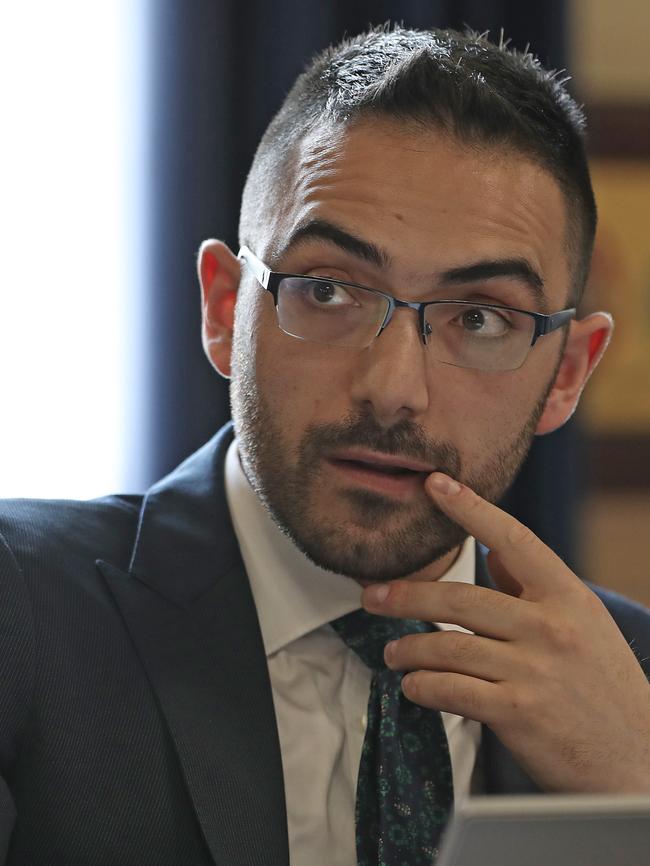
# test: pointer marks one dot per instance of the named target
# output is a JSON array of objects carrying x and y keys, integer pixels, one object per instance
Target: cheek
[
  {"x": 300, "y": 383},
  {"x": 482, "y": 412}
]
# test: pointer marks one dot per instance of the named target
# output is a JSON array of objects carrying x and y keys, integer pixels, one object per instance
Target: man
[{"x": 178, "y": 682}]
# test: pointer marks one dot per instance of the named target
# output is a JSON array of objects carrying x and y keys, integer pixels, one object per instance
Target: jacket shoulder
[
  {"x": 48, "y": 550},
  {"x": 42, "y": 532}
]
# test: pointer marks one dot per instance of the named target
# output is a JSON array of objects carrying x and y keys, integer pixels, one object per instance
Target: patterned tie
[{"x": 405, "y": 789}]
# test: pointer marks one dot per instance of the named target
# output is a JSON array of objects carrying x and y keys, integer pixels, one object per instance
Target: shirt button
[{"x": 364, "y": 722}]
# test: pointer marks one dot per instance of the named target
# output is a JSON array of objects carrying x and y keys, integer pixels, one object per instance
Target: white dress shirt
[{"x": 320, "y": 687}]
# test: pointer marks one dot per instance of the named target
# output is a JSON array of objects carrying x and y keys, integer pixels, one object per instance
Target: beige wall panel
[
  {"x": 610, "y": 46},
  {"x": 617, "y": 400},
  {"x": 614, "y": 535}
]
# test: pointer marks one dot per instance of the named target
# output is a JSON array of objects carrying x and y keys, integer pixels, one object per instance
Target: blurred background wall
[
  {"x": 608, "y": 44},
  {"x": 132, "y": 128}
]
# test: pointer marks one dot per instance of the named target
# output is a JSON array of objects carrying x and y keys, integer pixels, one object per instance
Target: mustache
[{"x": 404, "y": 438}]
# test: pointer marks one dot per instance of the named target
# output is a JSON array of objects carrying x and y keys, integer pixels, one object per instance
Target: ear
[
  {"x": 585, "y": 346},
  {"x": 219, "y": 272}
]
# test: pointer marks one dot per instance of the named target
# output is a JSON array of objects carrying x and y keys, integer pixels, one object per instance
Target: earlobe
[
  {"x": 585, "y": 346},
  {"x": 218, "y": 271}
]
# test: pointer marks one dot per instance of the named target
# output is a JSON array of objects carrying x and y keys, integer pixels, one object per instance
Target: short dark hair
[{"x": 479, "y": 92}]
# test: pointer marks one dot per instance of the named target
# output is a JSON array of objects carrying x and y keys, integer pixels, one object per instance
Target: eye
[
  {"x": 483, "y": 322},
  {"x": 327, "y": 294}
]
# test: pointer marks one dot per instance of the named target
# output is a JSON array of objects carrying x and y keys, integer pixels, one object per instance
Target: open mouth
[
  {"x": 399, "y": 482},
  {"x": 380, "y": 468}
]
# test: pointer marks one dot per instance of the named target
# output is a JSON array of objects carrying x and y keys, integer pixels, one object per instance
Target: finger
[
  {"x": 484, "y": 611},
  {"x": 501, "y": 576},
  {"x": 522, "y": 554},
  {"x": 454, "y": 693},
  {"x": 453, "y": 652}
]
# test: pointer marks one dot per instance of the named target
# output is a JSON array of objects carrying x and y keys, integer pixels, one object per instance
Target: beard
[{"x": 369, "y": 537}]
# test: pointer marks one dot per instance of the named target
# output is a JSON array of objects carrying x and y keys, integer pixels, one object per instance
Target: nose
[{"x": 391, "y": 376}]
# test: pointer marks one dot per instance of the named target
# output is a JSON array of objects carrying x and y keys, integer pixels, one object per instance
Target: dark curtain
[{"x": 219, "y": 71}]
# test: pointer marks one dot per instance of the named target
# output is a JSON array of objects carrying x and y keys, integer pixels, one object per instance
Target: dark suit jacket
[{"x": 136, "y": 715}]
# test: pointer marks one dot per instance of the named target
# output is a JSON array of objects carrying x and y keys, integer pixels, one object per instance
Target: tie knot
[{"x": 368, "y": 634}]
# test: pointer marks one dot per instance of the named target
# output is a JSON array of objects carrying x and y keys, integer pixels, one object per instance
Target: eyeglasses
[{"x": 459, "y": 333}]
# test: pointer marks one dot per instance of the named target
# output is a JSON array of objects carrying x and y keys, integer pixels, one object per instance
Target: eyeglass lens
[{"x": 476, "y": 336}]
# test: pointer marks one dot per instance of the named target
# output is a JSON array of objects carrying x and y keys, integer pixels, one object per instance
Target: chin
[{"x": 389, "y": 557}]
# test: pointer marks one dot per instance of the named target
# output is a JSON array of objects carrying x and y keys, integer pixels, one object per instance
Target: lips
[
  {"x": 388, "y": 463},
  {"x": 396, "y": 477},
  {"x": 378, "y": 467}
]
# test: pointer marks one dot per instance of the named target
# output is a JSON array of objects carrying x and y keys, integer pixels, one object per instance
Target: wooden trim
[{"x": 621, "y": 131}]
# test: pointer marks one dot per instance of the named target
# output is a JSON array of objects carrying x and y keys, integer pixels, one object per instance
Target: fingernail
[
  {"x": 389, "y": 651},
  {"x": 444, "y": 484},
  {"x": 408, "y": 686},
  {"x": 377, "y": 593}
]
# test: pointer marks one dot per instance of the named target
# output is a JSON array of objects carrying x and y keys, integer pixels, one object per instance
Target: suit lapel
[
  {"x": 502, "y": 773},
  {"x": 187, "y": 603}
]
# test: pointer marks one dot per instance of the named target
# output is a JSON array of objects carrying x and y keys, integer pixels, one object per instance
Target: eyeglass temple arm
[
  {"x": 259, "y": 269},
  {"x": 553, "y": 322}
]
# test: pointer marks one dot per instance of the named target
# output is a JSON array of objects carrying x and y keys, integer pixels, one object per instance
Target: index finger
[{"x": 521, "y": 552}]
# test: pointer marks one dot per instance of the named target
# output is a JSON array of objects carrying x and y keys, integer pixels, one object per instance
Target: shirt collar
[{"x": 293, "y": 596}]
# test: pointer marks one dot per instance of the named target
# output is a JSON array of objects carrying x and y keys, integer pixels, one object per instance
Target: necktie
[{"x": 405, "y": 789}]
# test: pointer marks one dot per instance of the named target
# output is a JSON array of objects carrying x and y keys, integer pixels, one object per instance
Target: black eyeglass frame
[{"x": 270, "y": 280}]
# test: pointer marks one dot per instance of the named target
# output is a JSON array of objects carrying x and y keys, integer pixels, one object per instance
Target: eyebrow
[
  {"x": 326, "y": 231},
  {"x": 517, "y": 268}
]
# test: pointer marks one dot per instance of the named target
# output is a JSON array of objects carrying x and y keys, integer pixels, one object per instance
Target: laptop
[{"x": 549, "y": 830}]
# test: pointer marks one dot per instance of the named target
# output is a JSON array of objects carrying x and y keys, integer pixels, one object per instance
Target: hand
[{"x": 547, "y": 668}]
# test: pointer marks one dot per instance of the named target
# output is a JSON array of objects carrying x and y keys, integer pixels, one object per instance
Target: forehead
[{"x": 430, "y": 202}]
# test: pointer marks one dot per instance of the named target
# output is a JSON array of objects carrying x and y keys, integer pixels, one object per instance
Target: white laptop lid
[{"x": 549, "y": 830}]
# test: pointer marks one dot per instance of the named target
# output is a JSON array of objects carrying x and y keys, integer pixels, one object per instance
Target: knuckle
[
  {"x": 519, "y": 535},
  {"x": 542, "y": 670},
  {"x": 567, "y": 638},
  {"x": 497, "y": 602},
  {"x": 525, "y": 706},
  {"x": 473, "y": 502},
  {"x": 460, "y": 647},
  {"x": 400, "y": 595},
  {"x": 461, "y": 597},
  {"x": 519, "y": 707},
  {"x": 545, "y": 627},
  {"x": 406, "y": 649},
  {"x": 464, "y": 697},
  {"x": 561, "y": 634}
]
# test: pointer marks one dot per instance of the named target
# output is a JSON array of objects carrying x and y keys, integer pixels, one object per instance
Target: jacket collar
[
  {"x": 185, "y": 539},
  {"x": 187, "y": 605}
]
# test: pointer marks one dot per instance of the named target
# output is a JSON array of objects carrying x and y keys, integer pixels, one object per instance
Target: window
[{"x": 72, "y": 97}]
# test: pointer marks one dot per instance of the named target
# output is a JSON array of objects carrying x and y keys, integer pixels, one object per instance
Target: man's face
[{"x": 312, "y": 419}]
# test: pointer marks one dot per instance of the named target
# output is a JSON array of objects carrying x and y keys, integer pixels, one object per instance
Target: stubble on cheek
[
  {"x": 341, "y": 528},
  {"x": 351, "y": 531}
]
